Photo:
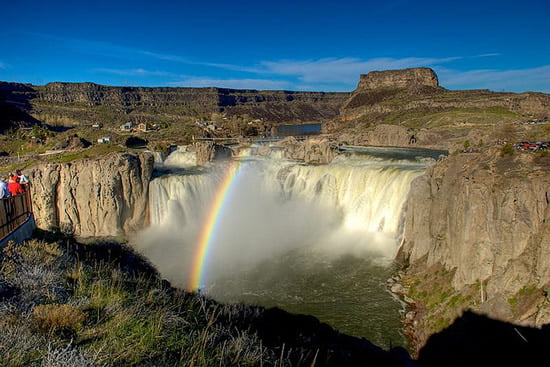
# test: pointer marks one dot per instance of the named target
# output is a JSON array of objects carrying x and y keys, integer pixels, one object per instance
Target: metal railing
[{"x": 14, "y": 211}]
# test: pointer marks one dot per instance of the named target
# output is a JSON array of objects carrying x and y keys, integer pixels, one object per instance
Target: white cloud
[
  {"x": 166, "y": 57},
  {"x": 109, "y": 49},
  {"x": 490, "y": 54},
  {"x": 133, "y": 72},
  {"x": 515, "y": 80},
  {"x": 331, "y": 70},
  {"x": 232, "y": 83},
  {"x": 345, "y": 70},
  {"x": 329, "y": 74}
]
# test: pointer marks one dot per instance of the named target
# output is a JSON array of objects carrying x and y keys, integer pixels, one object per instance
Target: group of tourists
[{"x": 14, "y": 184}]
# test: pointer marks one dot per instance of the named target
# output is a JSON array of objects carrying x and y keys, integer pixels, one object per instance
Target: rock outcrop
[
  {"x": 412, "y": 99},
  {"x": 208, "y": 151},
  {"x": 76, "y": 101},
  {"x": 393, "y": 135},
  {"x": 93, "y": 197},
  {"x": 313, "y": 150},
  {"x": 486, "y": 220},
  {"x": 404, "y": 78}
]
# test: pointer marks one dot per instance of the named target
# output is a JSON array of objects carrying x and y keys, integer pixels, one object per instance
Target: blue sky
[{"x": 294, "y": 45}]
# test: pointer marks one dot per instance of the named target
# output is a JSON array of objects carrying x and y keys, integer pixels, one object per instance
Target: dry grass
[
  {"x": 50, "y": 318},
  {"x": 86, "y": 305}
]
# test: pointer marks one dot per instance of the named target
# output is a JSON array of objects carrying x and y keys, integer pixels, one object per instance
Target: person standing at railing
[
  {"x": 4, "y": 192},
  {"x": 23, "y": 180},
  {"x": 14, "y": 186}
]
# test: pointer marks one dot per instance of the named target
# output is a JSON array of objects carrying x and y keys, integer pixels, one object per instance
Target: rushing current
[{"x": 309, "y": 239}]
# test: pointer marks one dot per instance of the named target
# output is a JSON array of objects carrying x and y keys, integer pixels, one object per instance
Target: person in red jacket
[{"x": 14, "y": 187}]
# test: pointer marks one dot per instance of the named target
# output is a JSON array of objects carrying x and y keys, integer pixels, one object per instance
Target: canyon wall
[
  {"x": 485, "y": 219},
  {"x": 403, "y": 78},
  {"x": 89, "y": 101},
  {"x": 412, "y": 101},
  {"x": 93, "y": 197},
  {"x": 417, "y": 89}
]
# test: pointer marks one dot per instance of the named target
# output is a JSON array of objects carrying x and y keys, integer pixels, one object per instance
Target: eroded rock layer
[
  {"x": 93, "y": 197},
  {"x": 483, "y": 220}
]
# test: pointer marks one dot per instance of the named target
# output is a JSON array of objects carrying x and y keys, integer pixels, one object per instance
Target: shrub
[
  {"x": 18, "y": 344},
  {"x": 35, "y": 269},
  {"x": 65, "y": 356},
  {"x": 507, "y": 149},
  {"x": 50, "y": 318}
]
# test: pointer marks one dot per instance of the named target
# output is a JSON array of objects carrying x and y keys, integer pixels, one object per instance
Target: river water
[{"x": 315, "y": 240}]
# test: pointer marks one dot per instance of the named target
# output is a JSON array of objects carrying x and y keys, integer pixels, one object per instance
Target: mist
[{"x": 275, "y": 207}]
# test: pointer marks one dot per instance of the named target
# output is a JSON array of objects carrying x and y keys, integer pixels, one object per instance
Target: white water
[
  {"x": 181, "y": 158},
  {"x": 352, "y": 206}
]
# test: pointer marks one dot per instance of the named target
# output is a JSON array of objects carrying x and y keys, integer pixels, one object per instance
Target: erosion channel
[{"x": 311, "y": 239}]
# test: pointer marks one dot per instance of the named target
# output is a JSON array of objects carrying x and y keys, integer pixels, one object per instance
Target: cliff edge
[
  {"x": 93, "y": 197},
  {"x": 404, "y": 78},
  {"x": 411, "y": 104},
  {"x": 477, "y": 236}
]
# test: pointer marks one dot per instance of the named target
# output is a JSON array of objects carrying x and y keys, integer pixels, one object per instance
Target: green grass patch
[
  {"x": 420, "y": 118},
  {"x": 102, "y": 305}
]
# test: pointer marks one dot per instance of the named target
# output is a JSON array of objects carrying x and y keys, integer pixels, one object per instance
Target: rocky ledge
[
  {"x": 404, "y": 78},
  {"x": 93, "y": 197},
  {"x": 477, "y": 236}
]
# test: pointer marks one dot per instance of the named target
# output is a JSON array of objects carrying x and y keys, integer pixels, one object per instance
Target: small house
[
  {"x": 143, "y": 127},
  {"x": 127, "y": 126},
  {"x": 104, "y": 140}
]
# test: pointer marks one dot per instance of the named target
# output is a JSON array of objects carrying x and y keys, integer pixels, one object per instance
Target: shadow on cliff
[
  {"x": 15, "y": 106},
  {"x": 476, "y": 340},
  {"x": 303, "y": 340}
]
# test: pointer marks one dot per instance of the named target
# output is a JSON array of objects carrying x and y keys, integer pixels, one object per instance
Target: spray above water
[
  {"x": 212, "y": 221},
  {"x": 209, "y": 226}
]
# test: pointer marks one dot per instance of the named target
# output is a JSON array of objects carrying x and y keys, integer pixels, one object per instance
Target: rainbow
[{"x": 208, "y": 232}]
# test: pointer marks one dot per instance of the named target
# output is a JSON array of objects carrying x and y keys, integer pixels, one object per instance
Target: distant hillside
[
  {"x": 388, "y": 108},
  {"x": 84, "y": 103},
  {"x": 412, "y": 100}
]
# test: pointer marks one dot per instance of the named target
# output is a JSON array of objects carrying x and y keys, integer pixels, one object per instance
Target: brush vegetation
[{"x": 88, "y": 305}]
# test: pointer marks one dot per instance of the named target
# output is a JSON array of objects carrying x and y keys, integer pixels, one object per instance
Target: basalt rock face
[
  {"x": 94, "y": 95},
  {"x": 14, "y": 106},
  {"x": 271, "y": 106},
  {"x": 412, "y": 99},
  {"x": 393, "y": 135},
  {"x": 209, "y": 151},
  {"x": 405, "y": 78},
  {"x": 93, "y": 197},
  {"x": 311, "y": 151},
  {"x": 486, "y": 219}
]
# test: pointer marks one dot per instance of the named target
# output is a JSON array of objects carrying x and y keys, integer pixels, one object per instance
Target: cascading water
[{"x": 310, "y": 239}]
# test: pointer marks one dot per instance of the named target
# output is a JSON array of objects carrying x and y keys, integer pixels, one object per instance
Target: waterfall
[
  {"x": 352, "y": 206},
  {"x": 181, "y": 158}
]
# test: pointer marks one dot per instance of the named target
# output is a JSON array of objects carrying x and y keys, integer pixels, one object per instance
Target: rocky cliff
[
  {"x": 93, "y": 197},
  {"x": 418, "y": 89},
  {"x": 413, "y": 100},
  {"x": 313, "y": 150},
  {"x": 92, "y": 102},
  {"x": 480, "y": 222},
  {"x": 405, "y": 78}
]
